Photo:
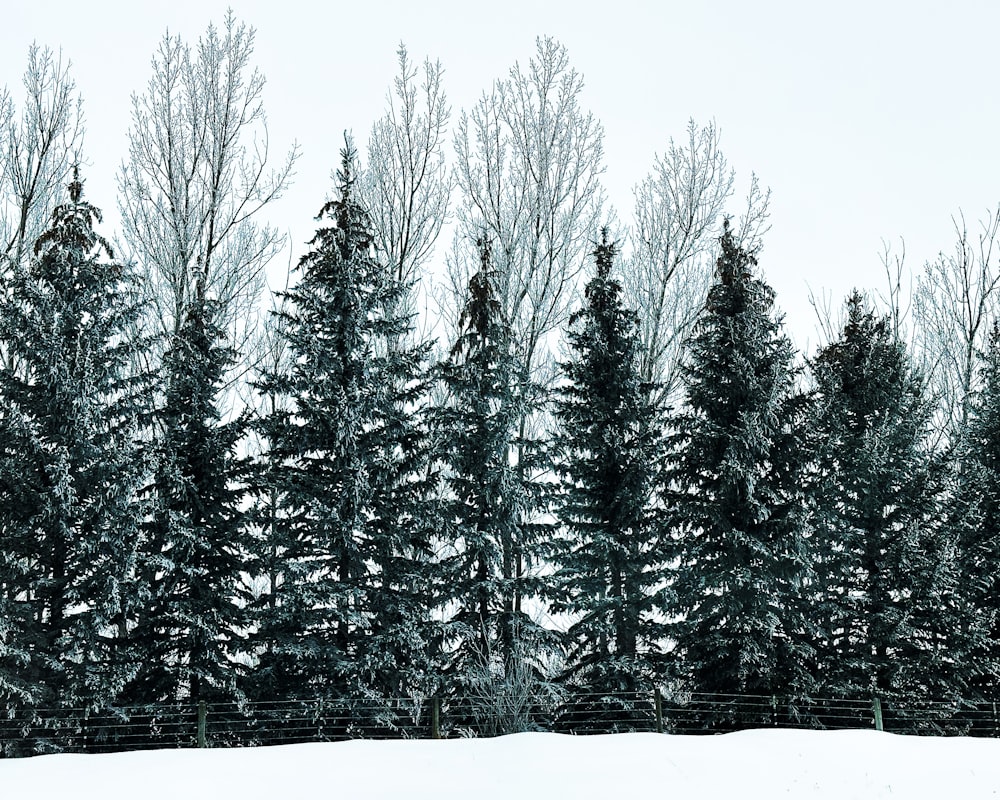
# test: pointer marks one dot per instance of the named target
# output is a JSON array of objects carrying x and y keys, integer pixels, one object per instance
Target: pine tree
[
  {"x": 973, "y": 520},
  {"x": 608, "y": 451},
  {"x": 488, "y": 506},
  {"x": 195, "y": 545},
  {"x": 738, "y": 511},
  {"x": 883, "y": 565},
  {"x": 347, "y": 612},
  {"x": 69, "y": 468}
]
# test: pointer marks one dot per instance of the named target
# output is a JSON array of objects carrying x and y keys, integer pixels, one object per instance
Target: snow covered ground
[{"x": 747, "y": 765}]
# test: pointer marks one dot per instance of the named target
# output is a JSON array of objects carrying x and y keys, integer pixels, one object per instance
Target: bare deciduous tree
[
  {"x": 528, "y": 165},
  {"x": 191, "y": 192},
  {"x": 37, "y": 150},
  {"x": 529, "y": 162},
  {"x": 679, "y": 208},
  {"x": 406, "y": 185},
  {"x": 956, "y": 301},
  {"x": 198, "y": 175}
]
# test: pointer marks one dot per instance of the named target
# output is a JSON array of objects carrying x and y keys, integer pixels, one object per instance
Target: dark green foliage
[
  {"x": 608, "y": 452},
  {"x": 974, "y": 521},
  {"x": 774, "y": 544},
  {"x": 739, "y": 513},
  {"x": 490, "y": 499},
  {"x": 195, "y": 544},
  {"x": 69, "y": 469},
  {"x": 347, "y": 542},
  {"x": 882, "y": 566}
]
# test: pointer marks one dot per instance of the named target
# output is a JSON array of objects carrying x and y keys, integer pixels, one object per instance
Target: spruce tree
[
  {"x": 738, "y": 511},
  {"x": 882, "y": 565},
  {"x": 488, "y": 505},
  {"x": 70, "y": 468},
  {"x": 608, "y": 450},
  {"x": 195, "y": 543},
  {"x": 973, "y": 525},
  {"x": 347, "y": 611}
]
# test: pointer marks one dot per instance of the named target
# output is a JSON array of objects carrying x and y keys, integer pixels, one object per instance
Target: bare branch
[
  {"x": 828, "y": 324},
  {"x": 679, "y": 209},
  {"x": 39, "y": 148},
  {"x": 198, "y": 176},
  {"x": 897, "y": 299},
  {"x": 406, "y": 184},
  {"x": 529, "y": 162},
  {"x": 955, "y": 305}
]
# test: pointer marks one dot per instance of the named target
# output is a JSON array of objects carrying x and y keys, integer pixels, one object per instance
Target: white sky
[{"x": 870, "y": 121}]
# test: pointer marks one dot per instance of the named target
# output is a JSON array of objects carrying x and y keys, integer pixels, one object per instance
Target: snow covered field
[{"x": 753, "y": 764}]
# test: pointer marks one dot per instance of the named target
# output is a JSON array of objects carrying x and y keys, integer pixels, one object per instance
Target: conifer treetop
[{"x": 73, "y": 223}]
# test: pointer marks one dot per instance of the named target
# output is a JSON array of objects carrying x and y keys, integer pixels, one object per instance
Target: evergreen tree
[
  {"x": 973, "y": 520},
  {"x": 608, "y": 451},
  {"x": 348, "y": 608},
  {"x": 195, "y": 545},
  {"x": 883, "y": 565},
  {"x": 489, "y": 499},
  {"x": 69, "y": 468},
  {"x": 739, "y": 514}
]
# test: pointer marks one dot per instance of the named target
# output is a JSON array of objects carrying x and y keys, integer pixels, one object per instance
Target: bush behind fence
[{"x": 181, "y": 725}]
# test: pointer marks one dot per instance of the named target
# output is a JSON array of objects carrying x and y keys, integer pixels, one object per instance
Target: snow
[{"x": 746, "y": 765}]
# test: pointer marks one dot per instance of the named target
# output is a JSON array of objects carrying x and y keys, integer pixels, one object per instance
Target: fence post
[
  {"x": 658, "y": 708},
  {"x": 877, "y": 712},
  {"x": 202, "y": 723},
  {"x": 435, "y": 718}
]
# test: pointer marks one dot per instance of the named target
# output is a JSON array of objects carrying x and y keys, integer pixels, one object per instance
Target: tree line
[{"x": 611, "y": 471}]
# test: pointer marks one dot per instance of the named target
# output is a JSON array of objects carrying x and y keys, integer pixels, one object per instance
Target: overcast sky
[{"x": 869, "y": 121}]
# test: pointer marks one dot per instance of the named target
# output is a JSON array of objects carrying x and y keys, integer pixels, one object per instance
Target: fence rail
[{"x": 230, "y": 724}]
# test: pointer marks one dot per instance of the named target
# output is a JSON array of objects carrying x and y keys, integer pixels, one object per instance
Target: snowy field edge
[{"x": 745, "y": 765}]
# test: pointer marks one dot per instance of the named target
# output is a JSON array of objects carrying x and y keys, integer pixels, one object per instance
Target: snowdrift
[{"x": 751, "y": 764}]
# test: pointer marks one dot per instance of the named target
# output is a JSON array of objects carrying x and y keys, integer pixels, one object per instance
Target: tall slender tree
[
  {"x": 529, "y": 160},
  {"x": 875, "y": 500},
  {"x": 955, "y": 304},
  {"x": 37, "y": 151},
  {"x": 973, "y": 526},
  {"x": 608, "y": 450},
  {"x": 406, "y": 185},
  {"x": 195, "y": 548},
  {"x": 487, "y": 499},
  {"x": 191, "y": 196},
  {"x": 70, "y": 468},
  {"x": 679, "y": 211},
  {"x": 347, "y": 610},
  {"x": 197, "y": 179},
  {"x": 742, "y": 554}
]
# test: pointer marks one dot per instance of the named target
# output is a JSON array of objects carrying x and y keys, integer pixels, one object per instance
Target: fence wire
[{"x": 25, "y": 732}]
